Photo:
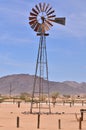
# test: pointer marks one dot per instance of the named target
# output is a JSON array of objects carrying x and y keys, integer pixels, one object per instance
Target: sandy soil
[{"x": 9, "y": 113}]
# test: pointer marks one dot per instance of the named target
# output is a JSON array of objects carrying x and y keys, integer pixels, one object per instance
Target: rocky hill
[{"x": 19, "y": 83}]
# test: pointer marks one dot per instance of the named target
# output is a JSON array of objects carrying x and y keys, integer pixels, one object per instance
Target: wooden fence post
[
  {"x": 70, "y": 104},
  {"x": 82, "y": 115},
  {"x": 38, "y": 123},
  {"x": 17, "y": 122},
  {"x": 59, "y": 124},
  {"x": 80, "y": 124},
  {"x": 18, "y": 104}
]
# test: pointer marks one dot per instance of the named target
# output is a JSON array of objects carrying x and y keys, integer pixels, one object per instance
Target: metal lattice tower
[
  {"x": 41, "y": 18},
  {"x": 41, "y": 77}
]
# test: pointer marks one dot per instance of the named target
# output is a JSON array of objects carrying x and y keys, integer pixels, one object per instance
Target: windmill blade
[
  {"x": 47, "y": 7},
  {"x": 60, "y": 20},
  {"x": 40, "y": 5},
  {"x": 51, "y": 12},
  {"x": 40, "y": 28},
  {"x": 46, "y": 27},
  {"x": 33, "y": 25},
  {"x": 43, "y": 28},
  {"x": 37, "y": 27},
  {"x": 34, "y": 11},
  {"x": 37, "y": 8},
  {"x": 32, "y": 14},
  {"x": 52, "y": 16},
  {"x": 49, "y": 23},
  {"x": 32, "y": 18},
  {"x": 32, "y": 22},
  {"x": 44, "y": 5}
]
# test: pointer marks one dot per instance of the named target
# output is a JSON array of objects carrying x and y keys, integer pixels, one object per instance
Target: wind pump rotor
[{"x": 42, "y": 17}]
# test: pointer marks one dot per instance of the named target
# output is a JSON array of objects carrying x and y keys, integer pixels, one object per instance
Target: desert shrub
[
  {"x": 25, "y": 96},
  {"x": 54, "y": 94}
]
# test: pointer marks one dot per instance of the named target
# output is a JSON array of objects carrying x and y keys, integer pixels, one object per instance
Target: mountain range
[{"x": 19, "y": 83}]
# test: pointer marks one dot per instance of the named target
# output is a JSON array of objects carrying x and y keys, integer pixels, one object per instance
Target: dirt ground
[{"x": 66, "y": 114}]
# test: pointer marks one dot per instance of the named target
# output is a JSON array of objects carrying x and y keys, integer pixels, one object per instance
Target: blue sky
[{"x": 66, "y": 45}]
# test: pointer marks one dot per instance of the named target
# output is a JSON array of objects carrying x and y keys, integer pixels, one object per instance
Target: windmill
[{"x": 41, "y": 20}]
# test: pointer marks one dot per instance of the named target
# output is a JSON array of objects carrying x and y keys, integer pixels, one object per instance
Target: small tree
[{"x": 54, "y": 96}]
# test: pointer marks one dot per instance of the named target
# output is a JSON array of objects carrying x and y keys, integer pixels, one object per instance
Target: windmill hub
[{"x": 43, "y": 19}]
